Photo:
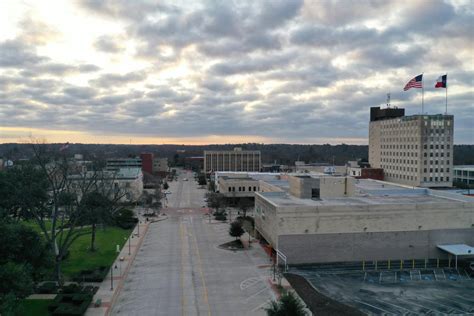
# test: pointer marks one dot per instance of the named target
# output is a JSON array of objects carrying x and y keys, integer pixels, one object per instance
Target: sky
[{"x": 200, "y": 72}]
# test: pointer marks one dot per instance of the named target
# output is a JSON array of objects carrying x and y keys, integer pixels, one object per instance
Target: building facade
[
  {"x": 118, "y": 163},
  {"x": 160, "y": 165},
  {"x": 147, "y": 162},
  {"x": 361, "y": 220},
  {"x": 413, "y": 150},
  {"x": 464, "y": 174},
  {"x": 232, "y": 160}
]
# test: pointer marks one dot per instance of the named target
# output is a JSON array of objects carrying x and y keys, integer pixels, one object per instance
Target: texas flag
[{"x": 442, "y": 81}]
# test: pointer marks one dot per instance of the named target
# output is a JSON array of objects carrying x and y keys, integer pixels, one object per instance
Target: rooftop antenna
[{"x": 388, "y": 100}]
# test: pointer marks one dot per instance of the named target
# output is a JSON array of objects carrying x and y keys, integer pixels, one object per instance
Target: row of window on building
[
  {"x": 414, "y": 178},
  {"x": 441, "y": 170},
  {"x": 435, "y": 162},
  {"x": 242, "y": 189}
]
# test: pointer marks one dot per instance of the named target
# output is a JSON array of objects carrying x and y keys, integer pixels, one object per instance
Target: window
[
  {"x": 431, "y": 179},
  {"x": 441, "y": 179},
  {"x": 243, "y": 189},
  {"x": 255, "y": 188},
  {"x": 447, "y": 178},
  {"x": 250, "y": 189},
  {"x": 240, "y": 189},
  {"x": 230, "y": 189}
]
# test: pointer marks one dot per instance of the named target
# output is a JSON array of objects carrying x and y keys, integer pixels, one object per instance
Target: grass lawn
[
  {"x": 33, "y": 224},
  {"x": 81, "y": 258},
  {"x": 35, "y": 307}
]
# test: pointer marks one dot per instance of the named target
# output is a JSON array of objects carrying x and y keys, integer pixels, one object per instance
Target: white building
[
  {"x": 464, "y": 174},
  {"x": 124, "y": 182}
]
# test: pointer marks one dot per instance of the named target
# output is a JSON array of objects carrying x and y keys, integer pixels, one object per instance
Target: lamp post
[
  {"x": 129, "y": 246},
  {"x": 112, "y": 277}
]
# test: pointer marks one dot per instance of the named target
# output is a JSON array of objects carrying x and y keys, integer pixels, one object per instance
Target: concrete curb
[{"x": 127, "y": 269}]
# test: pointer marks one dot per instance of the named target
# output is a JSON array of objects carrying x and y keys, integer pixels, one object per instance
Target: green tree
[
  {"x": 16, "y": 283},
  {"x": 245, "y": 204},
  {"x": 287, "y": 305},
  {"x": 201, "y": 179},
  {"x": 215, "y": 200},
  {"x": 24, "y": 258},
  {"x": 18, "y": 183},
  {"x": 95, "y": 210},
  {"x": 236, "y": 230}
]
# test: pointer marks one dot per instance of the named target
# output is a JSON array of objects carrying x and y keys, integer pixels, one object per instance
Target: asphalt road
[{"x": 179, "y": 269}]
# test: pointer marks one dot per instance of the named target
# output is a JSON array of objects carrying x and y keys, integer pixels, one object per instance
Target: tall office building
[
  {"x": 415, "y": 150},
  {"x": 232, "y": 160}
]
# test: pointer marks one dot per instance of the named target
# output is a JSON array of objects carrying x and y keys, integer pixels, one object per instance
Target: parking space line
[
  {"x": 372, "y": 306},
  {"x": 255, "y": 294}
]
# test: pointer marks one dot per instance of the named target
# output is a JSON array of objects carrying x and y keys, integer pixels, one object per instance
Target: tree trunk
[
  {"x": 57, "y": 271},
  {"x": 93, "y": 237}
]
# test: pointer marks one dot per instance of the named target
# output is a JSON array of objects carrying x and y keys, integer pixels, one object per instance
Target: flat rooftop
[{"x": 367, "y": 192}]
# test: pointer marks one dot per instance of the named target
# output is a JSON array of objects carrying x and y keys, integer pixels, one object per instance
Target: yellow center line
[
  {"x": 183, "y": 299},
  {"x": 206, "y": 300}
]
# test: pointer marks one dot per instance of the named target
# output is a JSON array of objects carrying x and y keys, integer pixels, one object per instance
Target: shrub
[
  {"x": 125, "y": 219},
  {"x": 47, "y": 288},
  {"x": 96, "y": 275},
  {"x": 236, "y": 229},
  {"x": 220, "y": 215},
  {"x": 70, "y": 304}
]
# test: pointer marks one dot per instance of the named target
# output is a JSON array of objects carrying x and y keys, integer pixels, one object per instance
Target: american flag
[{"x": 416, "y": 82}]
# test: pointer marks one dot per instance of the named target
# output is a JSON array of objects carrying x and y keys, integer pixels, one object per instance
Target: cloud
[
  {"x": 109, "y": 44},
  {"x": 278, "y": 70},
  {"x": 14, "y": 53},
  {"x": 110, "y": 80}
]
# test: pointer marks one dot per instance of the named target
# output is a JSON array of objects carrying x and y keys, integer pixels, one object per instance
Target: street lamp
[
  {"x": 112, "y": 277},
  {"x": 129, "y": 240}
]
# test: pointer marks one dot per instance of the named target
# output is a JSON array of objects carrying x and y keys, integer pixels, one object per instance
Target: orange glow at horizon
[{"x": 26, "y": 135}]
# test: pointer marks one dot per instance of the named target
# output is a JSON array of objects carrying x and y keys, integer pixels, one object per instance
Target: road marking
[
  {"x": 261, "y": 305},
  {"x": 206, "y": 300},
  {"x": 381, "y": 309},
  {"x": 183, "y": 299},
  {"x": 255, "y": 294}
]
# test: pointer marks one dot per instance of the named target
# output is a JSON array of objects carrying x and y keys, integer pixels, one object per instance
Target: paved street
[{"x": 180, "y": 271}]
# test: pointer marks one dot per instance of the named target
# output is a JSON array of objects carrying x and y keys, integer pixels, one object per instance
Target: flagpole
[
  {"x": 422, "y": 96},
  {"x": 446, "y": 94}
]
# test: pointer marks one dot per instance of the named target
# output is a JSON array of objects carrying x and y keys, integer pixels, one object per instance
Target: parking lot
[{"x": 397, "y": 292}]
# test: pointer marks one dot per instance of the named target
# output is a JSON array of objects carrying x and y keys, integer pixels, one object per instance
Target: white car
[{"x": 185, "y": 179}]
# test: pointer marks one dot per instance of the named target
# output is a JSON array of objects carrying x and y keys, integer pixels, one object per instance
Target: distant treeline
[{"x": 279, "y": 153}]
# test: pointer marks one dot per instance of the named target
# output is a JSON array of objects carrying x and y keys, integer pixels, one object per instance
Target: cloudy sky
[{"x": 193, "y": 72}]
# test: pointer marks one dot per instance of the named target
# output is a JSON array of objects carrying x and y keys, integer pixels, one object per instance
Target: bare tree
[{"x": 66, "y": 189}]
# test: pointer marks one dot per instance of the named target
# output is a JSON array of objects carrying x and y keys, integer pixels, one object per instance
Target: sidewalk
[{"x": 109, "y": 289}]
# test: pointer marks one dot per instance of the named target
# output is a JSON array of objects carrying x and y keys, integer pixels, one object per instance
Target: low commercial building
[
  {"x": 342, "y": 219},
  {"x": 464, "y": 174},
  {"x": 237, "y": 187},
  {"x": 318, "y": 167},
  {"x": 117, "y": 163},
  {"x": 124, "y": 182},
  {"x": 160, "y": 165},
  {"x": 232, "y": 160}
]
